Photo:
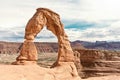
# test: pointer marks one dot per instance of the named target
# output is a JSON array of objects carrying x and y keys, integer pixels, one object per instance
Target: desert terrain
[
  {"x": 57, "y": 61},
  {"x": 45, "y": 60},
  {"x": 96, "y": 64}
]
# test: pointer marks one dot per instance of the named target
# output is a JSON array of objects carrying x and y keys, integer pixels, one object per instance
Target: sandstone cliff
[{"x": 98, "y": 62}]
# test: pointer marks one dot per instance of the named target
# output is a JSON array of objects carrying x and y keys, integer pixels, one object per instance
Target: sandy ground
[
  {"x": 34, "y": 72},
  {"x": 18, "y": 72}
]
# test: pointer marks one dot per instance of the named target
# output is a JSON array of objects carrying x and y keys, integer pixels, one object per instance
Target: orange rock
[
  {"x": 64, "y": 68},
  {"x": 51, "y": 19},
  {"x": 66, "y": 71}
]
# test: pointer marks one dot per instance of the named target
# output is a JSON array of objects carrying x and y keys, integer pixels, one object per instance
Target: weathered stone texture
[
  {"x": 64, "y": 67},
  {"x": 98, "y": 62},
  {"x": 51, "y": 19}
]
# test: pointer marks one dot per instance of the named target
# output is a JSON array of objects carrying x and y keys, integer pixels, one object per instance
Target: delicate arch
[{"x": 45, "y": 17}]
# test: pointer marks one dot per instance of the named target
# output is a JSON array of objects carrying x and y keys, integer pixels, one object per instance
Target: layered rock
[
  {"x": 15, "y": 47},
  {"x": 99, "y": 63},
  {"x": 42, "y": 47},
  {"x": 46, "y": 47},
  {"x": 78, "y": 64},
  {"x": 28, "y": 53},
  {"x": 100, "y": 45},
  {"x": 9, "y": 47}
]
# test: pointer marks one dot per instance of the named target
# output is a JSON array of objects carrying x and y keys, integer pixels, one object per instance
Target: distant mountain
[
  {"x": 102, "y": 45},
  {"x": 42, "y": 47},
  {"x": 51, "y": 47}
]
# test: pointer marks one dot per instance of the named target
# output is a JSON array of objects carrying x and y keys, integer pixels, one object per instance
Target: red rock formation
[
  {"x": 51, "y": 19},
  {"x": 25, "y": 53},
  {"x": 99, "y": 63},
  {"x": 9, "y": 47},
  {"x": 42, "y": 47},
  {"x": 77, "y": 63},
  {"x": 28, "y": 53}
]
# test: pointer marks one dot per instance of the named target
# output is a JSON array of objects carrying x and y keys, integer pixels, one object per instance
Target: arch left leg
[{"x": 28, "y": 52}]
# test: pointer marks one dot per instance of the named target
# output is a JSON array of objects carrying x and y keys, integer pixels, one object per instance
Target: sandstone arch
[
  {"x": 64, "y": 68},
  {"x": 44, "y": 17}
]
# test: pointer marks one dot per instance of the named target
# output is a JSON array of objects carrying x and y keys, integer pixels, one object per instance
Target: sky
[{"x": 86, "y": 20}]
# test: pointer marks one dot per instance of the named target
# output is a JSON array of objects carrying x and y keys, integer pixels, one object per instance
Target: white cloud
[
  {"x": 16, "y": 13},
  {"x": 97, "y": 10},
  {"x": 109, "y": 33}
]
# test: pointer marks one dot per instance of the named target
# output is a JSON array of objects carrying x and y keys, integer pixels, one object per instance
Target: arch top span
[{"x": 46, "y": 9}]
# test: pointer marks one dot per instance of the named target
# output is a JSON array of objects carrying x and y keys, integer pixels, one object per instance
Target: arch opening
[{"x": 45, "y": 36}]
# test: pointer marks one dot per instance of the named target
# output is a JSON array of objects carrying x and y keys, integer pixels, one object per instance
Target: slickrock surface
[
  {"x": 65, "y": 71},
  {"x": 34, "y": 72}
]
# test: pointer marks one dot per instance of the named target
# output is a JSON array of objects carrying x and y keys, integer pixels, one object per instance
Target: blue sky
[{"x": 89, "y": 20}]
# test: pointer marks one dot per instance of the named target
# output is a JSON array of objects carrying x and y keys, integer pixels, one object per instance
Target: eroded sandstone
[
  {"x": 63, "y": 68},
  {"x": 45, "y": 17},
  {"x": 98, "y": 62}
]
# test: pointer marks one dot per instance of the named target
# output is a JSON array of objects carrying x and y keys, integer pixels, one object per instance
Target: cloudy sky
[{"x": 89, "y": 20}]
